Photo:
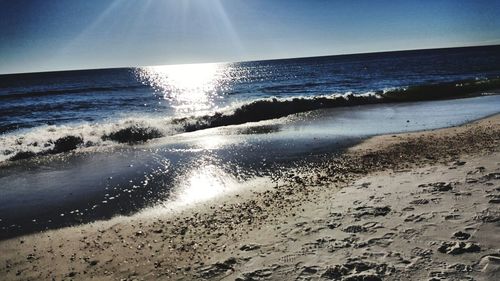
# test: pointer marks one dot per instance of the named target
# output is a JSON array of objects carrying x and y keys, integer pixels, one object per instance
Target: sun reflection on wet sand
[
  {"x": 205, "y": 185},
  {"x": 188, "y": 87},
  {"x": 200, "y": 185}
]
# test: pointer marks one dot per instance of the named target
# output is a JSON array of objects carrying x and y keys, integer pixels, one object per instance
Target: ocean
[{"x": 76, "y": 146}]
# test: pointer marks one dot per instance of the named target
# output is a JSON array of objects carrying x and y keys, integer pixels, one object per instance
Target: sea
[{"x": 84, "y": 145}]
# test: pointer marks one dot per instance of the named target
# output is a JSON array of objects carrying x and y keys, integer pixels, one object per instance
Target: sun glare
[
  {"x": 189, "y": 87},
  {"x": 203, "y": 184}
]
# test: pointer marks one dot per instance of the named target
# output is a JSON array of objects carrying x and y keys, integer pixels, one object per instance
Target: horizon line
[{"x": 245, "y": 61}]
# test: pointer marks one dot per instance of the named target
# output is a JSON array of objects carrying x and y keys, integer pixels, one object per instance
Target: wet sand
[{"x": 417, "y": 206}]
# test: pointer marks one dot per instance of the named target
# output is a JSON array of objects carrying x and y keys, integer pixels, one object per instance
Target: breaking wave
[{"x": 47, "y": 139}]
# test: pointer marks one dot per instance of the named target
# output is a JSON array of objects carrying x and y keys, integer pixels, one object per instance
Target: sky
[{"x": 47, "y": 35}]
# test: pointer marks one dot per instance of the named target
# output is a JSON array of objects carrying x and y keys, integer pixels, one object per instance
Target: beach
[
  {"x": 249, "y": 140},
  {"x": 415, "y": 206}
]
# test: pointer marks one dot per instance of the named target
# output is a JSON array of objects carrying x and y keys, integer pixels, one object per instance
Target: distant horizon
[{"x": 256, "y": 60}]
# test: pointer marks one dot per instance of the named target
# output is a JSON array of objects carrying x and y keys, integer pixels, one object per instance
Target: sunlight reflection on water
[{"x": 189, "y": 87}]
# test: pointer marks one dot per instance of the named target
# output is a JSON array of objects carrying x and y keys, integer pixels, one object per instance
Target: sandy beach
[
  {"x": 413, "y": 206},
  {"x": 249, "y": 140}
]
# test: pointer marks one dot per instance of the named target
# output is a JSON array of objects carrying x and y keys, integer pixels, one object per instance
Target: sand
[{"x": 417, "y": 206}]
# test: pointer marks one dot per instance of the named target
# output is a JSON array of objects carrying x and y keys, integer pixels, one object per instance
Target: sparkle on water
[
  {"x": 189, "y": 87},
  {"x": 194, "y": 88}
]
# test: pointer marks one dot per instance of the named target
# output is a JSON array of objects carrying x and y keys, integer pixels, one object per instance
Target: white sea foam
[{"x": 42, "y": 139}]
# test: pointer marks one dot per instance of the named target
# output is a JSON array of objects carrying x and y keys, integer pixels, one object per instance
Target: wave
[
  {"x": 54, "y": 139},
  {"x": 276, "y": 108},
  {"x": 273, "y": 108},
  {"x": 446, "y": 90},
  {"x": 46, "y": 139}
]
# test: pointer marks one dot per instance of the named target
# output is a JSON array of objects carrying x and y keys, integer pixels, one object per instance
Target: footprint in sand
[
  {"x": 250, "y": 247},
  {"x": 488, "y": 216},
  {"x": 383, "y": 241},
  {"x": 478, "y": 170},
  {"x": 492, "y": 176},
  {"x": 489, "y": 266},
  {"x": 259, "y": 274},
  {"x": 218, "y": 268},
  {"x": 309, "y": 249},
  {"x": 471, "y": 180},
  {"x": 455, "y": 271},
  {"x": 312, "y": 247},
  {"x": 371, "y": 211},
  {"x": 460, "y": 235},
  {"x": 419, "y": 217},
  {"x": 288, "y": 258},
  {"x": 344, "y": 243},
  {"x": 333, "y": 225},
  {"x": 410, "y": 233},
  {"x": 457, "y": 248},
  {"x": 419, "y": 202},
  {"x": 452, "y": 217},
  {"x": 355, "y": 229},
  {"x": 358, "y": 270},
  {"x": 307, "y": 272},
  {"x": 437, "y": 186},
  {"x": 423, "y": 253},
  {"x": 494, "y": 198}
]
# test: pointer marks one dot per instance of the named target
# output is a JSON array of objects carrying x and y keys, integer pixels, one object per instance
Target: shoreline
[
  {"x": 327, "y": 220},
  {"x": 74, "y": 188}
]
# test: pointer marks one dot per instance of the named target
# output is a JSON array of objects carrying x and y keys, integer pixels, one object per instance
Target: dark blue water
[{"x": 95, "y": 103}]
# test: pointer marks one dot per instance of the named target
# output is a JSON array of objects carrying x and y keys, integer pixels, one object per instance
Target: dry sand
[{"x": 419, "y": 206}]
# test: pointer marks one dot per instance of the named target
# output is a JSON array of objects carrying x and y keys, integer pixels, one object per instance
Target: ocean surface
[{"x": 76, "y": 146}]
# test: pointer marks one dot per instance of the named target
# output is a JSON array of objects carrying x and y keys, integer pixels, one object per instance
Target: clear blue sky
[{"x": 42, "y": 35}]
